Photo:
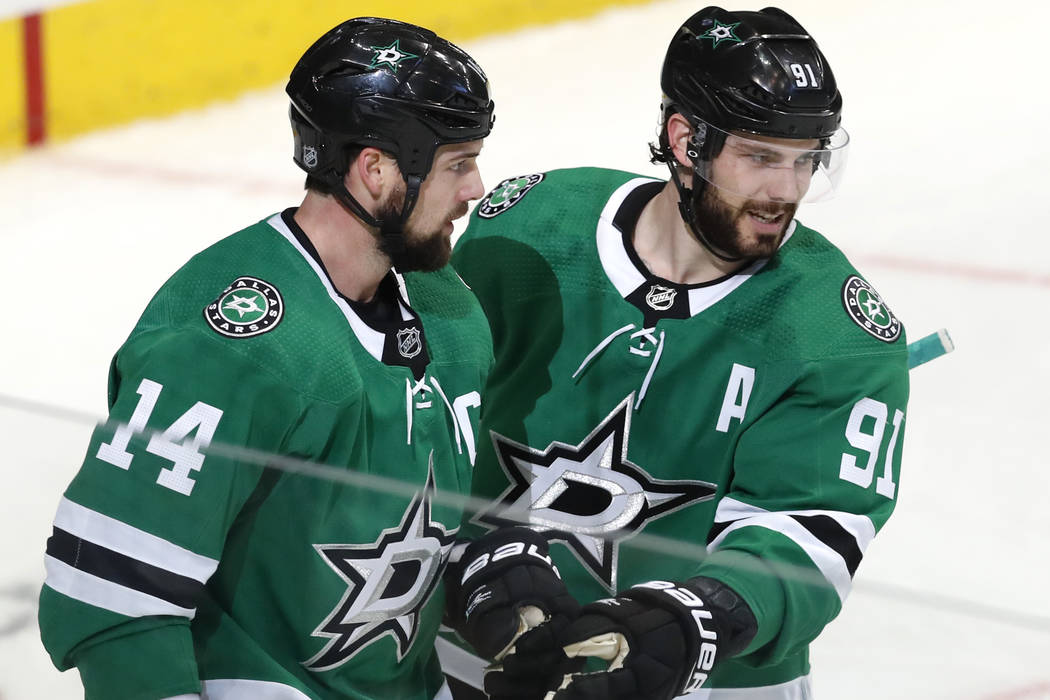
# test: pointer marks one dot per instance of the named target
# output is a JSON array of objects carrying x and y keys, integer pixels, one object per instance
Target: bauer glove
[
  {"x": 507, "y": 600},
  {"x": 661, "y": 640}
]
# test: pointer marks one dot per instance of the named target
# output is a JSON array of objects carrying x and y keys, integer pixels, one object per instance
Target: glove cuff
[{"x": 716, "y": 623}]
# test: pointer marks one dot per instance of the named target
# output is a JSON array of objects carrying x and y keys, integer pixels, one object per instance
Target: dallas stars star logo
[
  {"x": 589, "y": 495},
  {"x": 721, "y": 32},
  {"x": 247, "y": 307},
  {"x": 388, "y": 582},
  {"x": 868, "y": 310},
  {"x": 390, "y": 55},
  {"x": 243, "y": 305}
]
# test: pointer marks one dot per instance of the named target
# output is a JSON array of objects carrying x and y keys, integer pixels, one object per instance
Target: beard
[
  {"x": 412, "y": 250},
  {"x": 717, "y": 224}
]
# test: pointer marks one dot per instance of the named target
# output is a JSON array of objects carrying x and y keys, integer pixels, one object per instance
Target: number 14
[{"x": 185, "y": 455}]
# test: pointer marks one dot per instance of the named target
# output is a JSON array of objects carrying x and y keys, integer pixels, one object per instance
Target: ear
[
  {"x": 370, "y": 169},
  {"x": 679, "y": 131}
]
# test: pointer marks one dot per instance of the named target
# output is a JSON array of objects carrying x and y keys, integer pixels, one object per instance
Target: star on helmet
[
  {"x": 390, "y": 55},
  {"x": 589, "y": 495},
  {"x": 721, "y": 32}
]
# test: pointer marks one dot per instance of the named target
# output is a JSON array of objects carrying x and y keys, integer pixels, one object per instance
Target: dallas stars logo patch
[
  {"x": 506, "y": 194},
  {"x": 589, "y": 495},
  {"x": 391, "y": 56},
  {"x": 388, "y": 583},
  {"x": 248, "y": 307},
  {"x": 721, "y": 32},
  {"x": 867, "y": 309}
]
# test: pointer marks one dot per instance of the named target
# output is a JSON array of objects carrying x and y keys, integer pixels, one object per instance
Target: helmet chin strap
[
  {"x": 685, "y": 208},
  {"x": 391, "y": 230}
]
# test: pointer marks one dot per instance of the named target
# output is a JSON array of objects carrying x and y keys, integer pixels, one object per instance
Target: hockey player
[
  {"x": 183, "y": 562},
  {"x": 686, "y": 359}
]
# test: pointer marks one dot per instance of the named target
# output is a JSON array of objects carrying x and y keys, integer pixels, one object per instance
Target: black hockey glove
[
  {"x": 661, "y": 639},
  {"x": 507, "y": 600}
]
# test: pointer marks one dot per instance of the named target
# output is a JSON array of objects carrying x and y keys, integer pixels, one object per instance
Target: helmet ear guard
[{"x": 312, "y": 152}]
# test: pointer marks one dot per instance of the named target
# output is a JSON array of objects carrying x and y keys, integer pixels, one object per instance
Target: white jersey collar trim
[
  {"x": 626, "y": 277},
  {"x": 371, "y": 340}
]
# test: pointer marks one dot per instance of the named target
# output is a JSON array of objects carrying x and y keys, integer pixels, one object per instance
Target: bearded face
[
  {"x": 426, "y": 238},
  {"x": 739, "y": 227}
]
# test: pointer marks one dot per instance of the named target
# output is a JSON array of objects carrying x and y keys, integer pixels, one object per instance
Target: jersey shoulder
[
  {"x": 250, "y": 302},
  {"x": 809, "y": 302},
  {"x": 555, "y": 202},
  {"x": 531, "y": 230},
  {"x": 455, "y": 325}
]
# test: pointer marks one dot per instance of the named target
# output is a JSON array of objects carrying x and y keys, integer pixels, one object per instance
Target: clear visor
[{"x": 768, "y": 169}]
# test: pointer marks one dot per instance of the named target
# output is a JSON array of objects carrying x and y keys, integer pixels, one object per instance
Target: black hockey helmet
[
  {"x": 753, "y": 72},
  {"x": 390, "y": 85},
  {"x": 757, "y": 72}
]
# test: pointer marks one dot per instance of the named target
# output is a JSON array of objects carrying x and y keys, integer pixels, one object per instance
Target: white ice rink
[{"x": 947, "y": 104}]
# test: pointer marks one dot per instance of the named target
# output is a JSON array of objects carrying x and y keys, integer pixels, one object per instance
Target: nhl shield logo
[
  {"x": 310, "y": 157},
  {"x": 867, "y": 309},
  {"x": 408, "y": 342},
  {"x": 506, "y": 194},
  {"x": 247, "y": 307},
  {"x": 660, "y": 298}
]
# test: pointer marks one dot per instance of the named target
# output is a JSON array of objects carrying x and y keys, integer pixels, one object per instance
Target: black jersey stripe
[
  {"x": 717, "y": 529},
  {"x": 123, "y": 570},
  {"x": 828, "y": 530}
]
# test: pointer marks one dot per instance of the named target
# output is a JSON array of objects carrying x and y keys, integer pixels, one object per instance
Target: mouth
[{"x": 765, "y": 221}]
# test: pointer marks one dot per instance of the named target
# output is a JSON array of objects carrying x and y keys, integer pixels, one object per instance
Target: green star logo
[
  {"x": 507, "y": 194},
  {"x": 872, "y": 307},
  {"x": 243, "y": 307},
  {"x": 867, "y": 309},
  {"x": 247, "y": 307},
  {"x": 391, "y": 55},
  {"x": 721, "y": 32}
]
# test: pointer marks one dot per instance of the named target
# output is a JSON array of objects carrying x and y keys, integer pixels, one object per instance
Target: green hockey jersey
[
  {"x": 756, "y": 420},
  {"x": 190, "y": 555}
]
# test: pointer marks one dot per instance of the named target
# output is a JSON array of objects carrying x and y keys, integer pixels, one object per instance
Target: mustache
[{"x": 767, "y": 207}]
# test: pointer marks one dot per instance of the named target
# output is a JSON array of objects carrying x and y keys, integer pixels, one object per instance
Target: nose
[
  {"x": 474, "y": 188},
  {"x": 785, "y": 185}
]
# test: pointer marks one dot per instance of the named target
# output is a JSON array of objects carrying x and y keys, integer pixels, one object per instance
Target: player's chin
[{"x": 759, "y": 244}]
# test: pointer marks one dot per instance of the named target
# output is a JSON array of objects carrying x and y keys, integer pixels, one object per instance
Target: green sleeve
[
  {"x": 814, "y": 479},
  {"x": 141, "y": 528}
]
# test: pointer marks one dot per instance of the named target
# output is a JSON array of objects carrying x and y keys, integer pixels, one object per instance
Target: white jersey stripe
[
  {"x": 101, "y": 593},
  {"x": 860, "y": 526},
  {"x": 830, "y": 562},
  {"x": 243, "y": 689},
  {"x": 120, "y": 537},
  {"x": 797, "y": 689},
  {"x": 460, "y": 663}
]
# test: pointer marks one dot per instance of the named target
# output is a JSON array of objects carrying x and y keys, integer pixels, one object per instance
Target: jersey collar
[
  {"x": 373, "y": 340},
  {"x": 625, "y": 271}
]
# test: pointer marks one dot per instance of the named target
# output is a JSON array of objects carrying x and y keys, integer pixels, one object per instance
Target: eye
[{"x": 808, "y": 161}]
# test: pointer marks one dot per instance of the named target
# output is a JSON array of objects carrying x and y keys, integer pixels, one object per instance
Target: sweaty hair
[{"x": 661, "y": 152}]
